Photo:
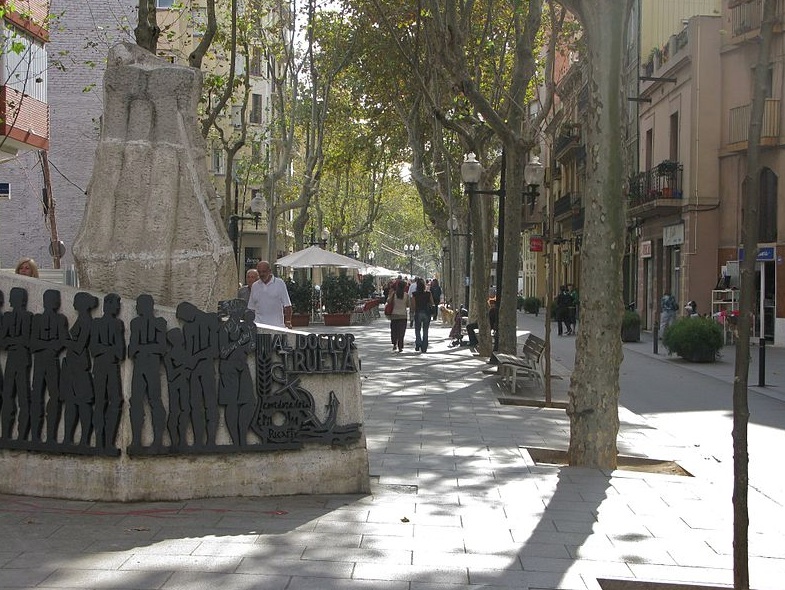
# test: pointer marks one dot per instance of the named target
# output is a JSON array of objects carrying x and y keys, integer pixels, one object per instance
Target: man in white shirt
[{"x": 269, "y": 299}]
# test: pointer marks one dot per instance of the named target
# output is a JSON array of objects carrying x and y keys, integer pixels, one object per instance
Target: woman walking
[
  {"x": 400, "y": 299},
  {"x": 422, "y": 308}
]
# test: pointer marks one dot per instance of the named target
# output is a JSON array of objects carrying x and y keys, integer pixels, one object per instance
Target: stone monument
[{"x": 152, "y": 222}]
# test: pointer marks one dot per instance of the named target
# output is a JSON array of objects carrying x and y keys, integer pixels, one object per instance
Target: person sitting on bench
[{"x": 493, "y": 320}]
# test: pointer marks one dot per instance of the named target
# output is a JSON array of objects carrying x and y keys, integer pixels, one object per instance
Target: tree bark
[
  {"x": 146, "y": 32},
  {"x": 594, "y": 387},
  {"x": 749, "y": 238}
]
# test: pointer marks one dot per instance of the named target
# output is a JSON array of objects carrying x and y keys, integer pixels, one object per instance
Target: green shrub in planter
[
  {"x": 531, "y": 305},
  {"x": 302, "y": 295},
  {"x": 339, "y": 294},
  {"x": 367, "y": 287},
  {"x": 694, "y": 339},
  {"x": 630, "y": 326}
]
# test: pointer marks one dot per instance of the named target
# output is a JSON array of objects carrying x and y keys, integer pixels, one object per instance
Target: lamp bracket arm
[{"x": 499, "y": 193}]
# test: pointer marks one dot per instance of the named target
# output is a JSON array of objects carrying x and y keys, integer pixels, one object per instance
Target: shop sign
[
  {"x": 673, "y": 235},
  {"x": 645, "y": 249},
  {"x": 764, "y": 254},
  {"x": 536, "y": 244}
]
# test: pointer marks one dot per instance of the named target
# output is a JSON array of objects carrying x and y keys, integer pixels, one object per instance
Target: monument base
[{"x": 316, "y": 470}]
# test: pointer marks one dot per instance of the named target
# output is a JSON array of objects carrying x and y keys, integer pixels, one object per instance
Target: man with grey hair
[{"x": 251, "y": 277}]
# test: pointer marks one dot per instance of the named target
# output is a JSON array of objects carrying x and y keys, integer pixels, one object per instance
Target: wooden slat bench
[{"x": 528, "y": 363}]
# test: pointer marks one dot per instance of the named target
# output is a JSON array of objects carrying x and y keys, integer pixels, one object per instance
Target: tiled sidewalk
[{"x": 457, "y": 503}]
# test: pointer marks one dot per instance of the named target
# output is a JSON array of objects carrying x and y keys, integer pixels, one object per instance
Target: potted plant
[
  {"x": 531, "y": 305},
  {"x": 339, "y": 297},
  {"x": 695, "y": 339},
  {"x": 667, "y": 168},
  {"x": 302, "y": 297},
  {"x": 630, "y": 326}
]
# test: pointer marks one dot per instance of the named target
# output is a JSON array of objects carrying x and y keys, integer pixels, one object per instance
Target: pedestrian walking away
[
  {"x": 398, "y": 317},
  {"x": 422, "y": 309},
  {"x": 436, "y": 293}
]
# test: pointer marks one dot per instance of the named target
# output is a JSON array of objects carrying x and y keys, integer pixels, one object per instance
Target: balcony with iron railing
[
  {"x": 745, "y": 16},
  {"x": 739, "y": 125},
  {"x": 657, "y": 191},
  {"x": 568, "y": 141},
  {"x": 567, "y": 206}
]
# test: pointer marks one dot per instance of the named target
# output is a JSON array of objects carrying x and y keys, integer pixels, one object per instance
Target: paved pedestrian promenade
[{"x": 457, "y": 502}]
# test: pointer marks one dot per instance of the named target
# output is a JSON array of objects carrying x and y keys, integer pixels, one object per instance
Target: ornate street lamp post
[
  {"x": 410, "y": 250},
  {"x": 471, "y": 173},
  {"x": 256, "y": 208}
]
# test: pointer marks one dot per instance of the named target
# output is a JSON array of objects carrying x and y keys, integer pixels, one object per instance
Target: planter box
[
  {"x": 703, "y": 355},
  {"x": 337, "y": 319},
  {"x": 631, "y": 334},
  {"x": 300, "y": 320}
]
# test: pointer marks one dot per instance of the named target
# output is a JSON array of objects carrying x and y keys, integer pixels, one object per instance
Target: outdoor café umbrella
[{"x": 315, "y": 256}]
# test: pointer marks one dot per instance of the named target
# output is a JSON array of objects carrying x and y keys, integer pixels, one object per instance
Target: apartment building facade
[{"x": 685, "y": 203}]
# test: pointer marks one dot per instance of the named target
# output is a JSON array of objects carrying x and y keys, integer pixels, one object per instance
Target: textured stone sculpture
[{"x": 152, "y": 222}]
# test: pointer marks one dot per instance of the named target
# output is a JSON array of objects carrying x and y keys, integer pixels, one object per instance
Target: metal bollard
[
  {"x": 655, "y": 334},
  {"x": 762, "y": 363}
]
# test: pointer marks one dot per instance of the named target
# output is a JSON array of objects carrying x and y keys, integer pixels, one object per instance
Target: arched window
[{"x": 767, "y": 217}]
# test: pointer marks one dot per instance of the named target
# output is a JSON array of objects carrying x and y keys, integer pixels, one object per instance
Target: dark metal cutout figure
[
  {"x": 200, "y": 330},
  {"x": 236, "y": 338},
  {"x": 279, "y": 411},
  {"x": 50, "y": 330},
  {"x": 146, "y": 347},
  {"x": 16, "y": 386},
  {"x": 177, "y": 378},
  {"x": 76, "y": 388},
  {"x": 107, "y": 346}
]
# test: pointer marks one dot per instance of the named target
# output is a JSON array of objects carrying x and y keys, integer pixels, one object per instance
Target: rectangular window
[
  {"x": 649, "y": 148},
  {"x": 673, "y": 155},
  {"x": 164, "y": 3},
  {"x": 218, "y": 161},
  {"x": 256, "y": 109},
  {"x": 257, "y": 60},
  {"x": 24, "y": 64}
]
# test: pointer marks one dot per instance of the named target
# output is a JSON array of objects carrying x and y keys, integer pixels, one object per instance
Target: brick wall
[{"x": 85, "y": 31}]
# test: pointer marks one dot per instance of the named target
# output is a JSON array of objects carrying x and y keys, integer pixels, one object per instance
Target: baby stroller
[{"x": 456, "y": 333}]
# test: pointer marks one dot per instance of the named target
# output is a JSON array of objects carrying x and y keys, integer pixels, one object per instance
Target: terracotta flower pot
[
  {"x": 337, "y": 319},
  {"x": 300, "y": 320}
]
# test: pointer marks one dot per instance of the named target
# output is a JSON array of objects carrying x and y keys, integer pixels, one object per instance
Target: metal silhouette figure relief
[
  {"x": 76, "y": 378},
  {"x": 16, "y": 329},
  {"x": 47, "y": 341},
  {"x": 215, "y": 367},
  {"x": 147, "y": 347},
  {"x": 236, "y": 339},
  {"x": 200, "y": 331},
  {"x": 107, "y": 347}
]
